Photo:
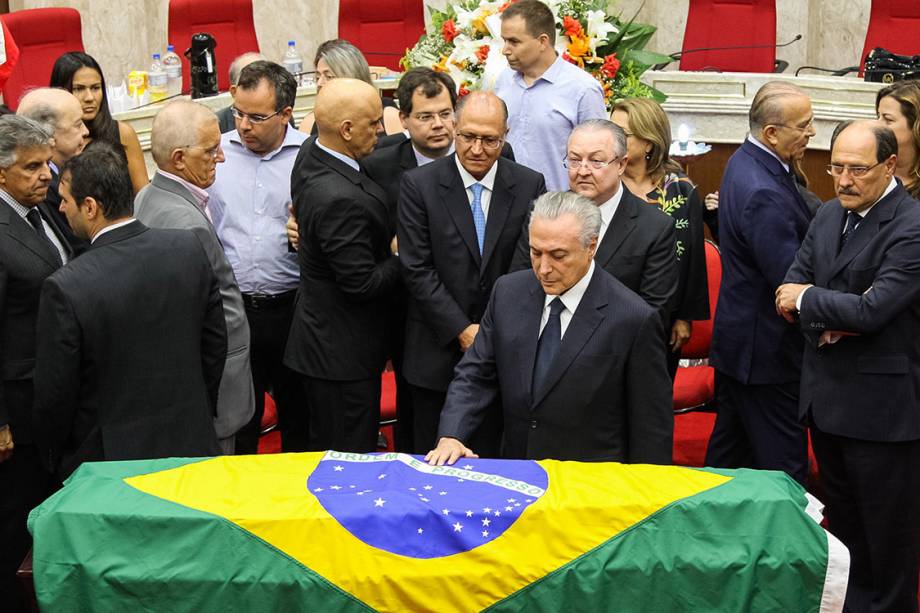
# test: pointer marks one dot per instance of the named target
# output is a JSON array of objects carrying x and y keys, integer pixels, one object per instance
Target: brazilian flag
[{"x": 353, "y": 532}]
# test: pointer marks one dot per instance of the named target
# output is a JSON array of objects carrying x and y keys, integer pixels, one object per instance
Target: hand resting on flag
[{"x": 448, "y": 451}]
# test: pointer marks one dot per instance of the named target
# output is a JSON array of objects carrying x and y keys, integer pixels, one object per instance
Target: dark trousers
[
  {"x": 758, "y": 427},
  {"x": 872, "y": 497},
  {"x": 404, "y": 439},
  {"x": 269, "y": 324},
  {"x": 344, "y": 415},
  {"x": 427, "y": 405},
  {"x": 24, "y": 484}
]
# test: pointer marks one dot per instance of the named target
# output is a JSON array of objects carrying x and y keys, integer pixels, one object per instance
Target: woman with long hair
[
  {"x": 652, "y": 175},
  {"x": 898, "y": 107},
  {"x": 81, "y": 75},
  {"x": 338, "y": 58}
]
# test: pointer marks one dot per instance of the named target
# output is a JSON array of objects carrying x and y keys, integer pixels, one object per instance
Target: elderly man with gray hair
[
  {"x": 575, "y": 357},
  {"x": 185, "y": 143}
]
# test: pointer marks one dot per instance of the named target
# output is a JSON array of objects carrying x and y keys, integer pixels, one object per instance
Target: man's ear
[
  {"x": 90, "y": 208},
  {"x": 769, "y": 135},
  {"x": 345, "y": 129},
  {"x": 177, "y": 157}
]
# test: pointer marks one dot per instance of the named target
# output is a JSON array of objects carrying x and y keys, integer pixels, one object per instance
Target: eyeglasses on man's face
[
  {"x": 488, "y": 142},
  {"x": 211, "y": 152},
  {"x": 444, "y": 116},
  {"x": 837, "y": 170},
  {"x": 253, "y": 119},
  {"x": 575, "y": 164}
]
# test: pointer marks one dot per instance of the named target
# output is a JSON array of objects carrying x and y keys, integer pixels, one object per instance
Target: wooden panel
[{"x": 707, "y": 172}]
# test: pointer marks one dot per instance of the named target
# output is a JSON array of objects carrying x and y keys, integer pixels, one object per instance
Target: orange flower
[
  {"x": 449, "y": 30},
  {"x": 441, "y": 66},
  {"x": 502, "y": 8},
  {"x": 579, "y": 46},
  {"x": 479, "y": 24},
  {"x": 572, "y": 27},
  {"x": 463, "y": 91},
  {"x": 482, "y": 53}
]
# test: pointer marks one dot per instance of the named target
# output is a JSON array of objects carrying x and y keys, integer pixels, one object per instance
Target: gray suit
[{"x": 165, "y": 203}]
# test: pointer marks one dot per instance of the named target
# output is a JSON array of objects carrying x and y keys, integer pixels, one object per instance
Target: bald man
[
  {"x": 185, "y": 143},
  {"x": 348, "y": 272},
  {"x": 61, "y": 114}
]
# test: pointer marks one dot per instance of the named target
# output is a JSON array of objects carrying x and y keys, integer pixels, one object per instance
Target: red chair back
[
  {"x": 42, "y": 35},
  {"x": 730, "y": 23},
  {"x": 893, "y": 25},
  {"x": 701, "y": 337},
  {"x": 382, "y": 29},
  {"x": 228, "y": 21}
]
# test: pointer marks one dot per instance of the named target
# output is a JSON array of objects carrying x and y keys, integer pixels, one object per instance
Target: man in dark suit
[
  {"x": 460, "y": 219},
  {"x": 855, "y": 285},
  {"x": 131, "y": 336},
  {"x": 348, "y": 273},
  {"x": 30, "y": 250},
  {"x": 61, "y": 114},
  {"x": 757, "y": 355},
  {"x": 576, "y": 358}
]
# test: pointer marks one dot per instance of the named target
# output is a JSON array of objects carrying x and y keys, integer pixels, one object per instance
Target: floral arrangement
[{"x": 465, "y": 41}]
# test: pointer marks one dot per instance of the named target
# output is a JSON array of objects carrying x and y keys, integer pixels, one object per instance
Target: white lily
[{"x": 598, "y": 28}]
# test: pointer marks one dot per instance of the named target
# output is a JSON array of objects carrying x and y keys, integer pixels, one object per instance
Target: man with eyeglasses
[
  {"x": 757, "y": 355},
  {"x": 185, "y": 144},
  {"x": 249, "y": 203},
  {"x": 854, "y": 290},
  {"x": 460, "y": 218}
]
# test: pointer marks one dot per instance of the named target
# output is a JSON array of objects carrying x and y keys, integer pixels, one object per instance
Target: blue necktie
[
  {"x": 548, "y": 346},
  {"x": 853, "y": 220},
  {"x": 479, "y": 217}
]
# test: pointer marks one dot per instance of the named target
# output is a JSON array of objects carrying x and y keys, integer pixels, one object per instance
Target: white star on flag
[
  {"x": 338, "y": 469},
  {"x": 383, "y": 476},
  {"x": 517, "y": 504},
  {"x": 427, "y": 487},
  {"x": 360, "y": 493},
  {"x": 442, "y": 493},
  {"x": 458, "y": 527},
  {"x": 335, "y": 487},
  {"x": 411, "y": 489},
  {"x": 486, "y": 522},
  {"x": 445, "y": 511},
  {"x": 512, "y": 500},
  {"x": 485, "y": 533},
  {"x": 469, "y": 513},
  {"x": 351, "y": 487},
  {"x": 487, "y": 510},
  {"x": 318, "y": 489},
  {"x": 379, "y": 502},
  {"x": 423, "y": 499},
  {"x": 420, "y": 530},
  {"x": 497, "y": 514},
  {"x": 468, "y": 467},
  {"x": 509, "y": 508}
]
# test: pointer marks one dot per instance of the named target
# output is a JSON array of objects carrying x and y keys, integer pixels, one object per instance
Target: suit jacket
[
  {"x": 762, "y": 221},
  {"x": 639, "y": 249},
  {"x": 347, "y": 273},
  {"x": 131, "y": 347},
  {"x": 448, "y": 281},
  {"x": 165, "y": 203},
  {"x": 609, "y": 397},
  {"x": 51, "y": 209},
  {"x": 865, "y": 386},
  {"x": 25, "y": 261}
]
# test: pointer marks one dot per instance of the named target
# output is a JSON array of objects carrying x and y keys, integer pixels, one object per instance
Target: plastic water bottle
[
  {"x": 173, "y": 66},
  {"x": 292, "y": 61},
  {"x": 157, "y": 81}
]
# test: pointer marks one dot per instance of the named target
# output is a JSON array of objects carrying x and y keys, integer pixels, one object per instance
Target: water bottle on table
[
  {"x": 157, "y": 81},
  {"x": 292, "y": 61},
  {"x": 173, "y": 66}
]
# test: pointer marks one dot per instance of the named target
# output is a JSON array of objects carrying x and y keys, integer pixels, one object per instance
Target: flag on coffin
[{"x": 356, "y": 532}]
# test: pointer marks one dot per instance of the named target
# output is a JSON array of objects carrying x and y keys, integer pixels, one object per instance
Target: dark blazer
[
  {"x": 610, "y": 399},
  {"x": 762, "y": 221},
  {"x": 51, "y": 209},
  {"x": 865, "y": 386},
  {"x": 448, "y": 281},
  {"x": 131, "y": 347},
  {"x": 347, "y": 273},
  {"x": 25, "y": 261}
]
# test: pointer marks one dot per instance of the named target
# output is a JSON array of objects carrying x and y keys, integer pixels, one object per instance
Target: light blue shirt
[
  {"x": 249, "y": 207},
  {"x": 541, "y": 116},
  {"x": 339, "y": 156}
]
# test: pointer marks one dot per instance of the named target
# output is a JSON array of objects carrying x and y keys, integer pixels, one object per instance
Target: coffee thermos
[{"x": 203, "y": 65}]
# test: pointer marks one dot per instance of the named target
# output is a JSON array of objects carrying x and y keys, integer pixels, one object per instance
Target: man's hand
[
  {"x": 394, "y": 246},
  {"x": 711, "y": 201},
  {"x": 786, "y": 296},
  {"x": 6, "y": 443},
  {"x": 467, "y": 337},
  {"x": 293, "y": 231},
  {"x": 680, "y": 334},
  {"x": 448, "y": 451}
]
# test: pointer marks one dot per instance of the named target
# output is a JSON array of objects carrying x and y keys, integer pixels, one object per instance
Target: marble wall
[{"x": 122, "y": 35}]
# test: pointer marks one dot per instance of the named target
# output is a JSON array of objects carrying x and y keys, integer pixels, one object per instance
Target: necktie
[
  {"x": 548, "y": 345},
  {"x": 35, "y": 219},
  {"x": 853, "y": 220},
  {"x": 479, "y": 217}
]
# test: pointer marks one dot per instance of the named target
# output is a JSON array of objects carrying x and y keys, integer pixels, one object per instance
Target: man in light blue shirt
[
  {"x": 546, "y": 96},
  {"x": 249, "y": 206}
]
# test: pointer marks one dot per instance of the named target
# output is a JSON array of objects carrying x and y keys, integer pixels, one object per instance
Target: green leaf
[{"x": 646, "y": 58}]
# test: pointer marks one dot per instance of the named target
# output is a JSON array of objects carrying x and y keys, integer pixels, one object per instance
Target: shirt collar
[
  {"x": 549, "y": 75},
  {"x": 572, "y": 296},
  {"x": 757, "y": 143},
  {"x": 20, "y": 209},
  {"x": 339, "y": 156},
  {"x": 200, "y": 195},
  {"x": 609, "y": 208},
  {"x": 487, "y": 181},
  {"x": 114, "y": 226},
  {"x": 891, "y": 185},
  {"x": 422, "y": 159},
  {"x": 291, "y": 139}
]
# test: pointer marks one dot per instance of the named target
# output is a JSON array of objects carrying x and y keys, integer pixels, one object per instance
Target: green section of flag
[
  {"x": 155, "y": 555},
  {"x": 767, "y": 555}
]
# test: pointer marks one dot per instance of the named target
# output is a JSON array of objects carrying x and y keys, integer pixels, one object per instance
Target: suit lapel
[
  {"x": 453, "y": 193},
  {"x": 828, "y": 244},
  {"x": 55, "y": 222},
  {"x": 407, "y": 158},
  {"x": 499, "y": 208},
  {"x": 528, "y": 333},
  {"x": 881, "y": 213},
  {"x": 23, "y": 232},
  {"x": 174, "y": 187},
  {"x": 584, "y": 322},
  {"x": 621, "y": 226}
]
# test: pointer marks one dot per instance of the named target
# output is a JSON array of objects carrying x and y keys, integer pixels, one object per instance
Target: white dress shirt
[
  {"x": 608, "y": 210},
  {"x": 487, "y": 182},
  {"x": 114, "y": 226},
  {"x": 570, "y": 299}
]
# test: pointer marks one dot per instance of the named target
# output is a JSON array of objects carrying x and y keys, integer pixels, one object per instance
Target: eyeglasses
[
  {"x": 444, "y": 116},
  {"x": 805, "y": 128},
  {"x": 487, "y": 142},
  {"x": 574, "y": 164},
  {"x": 212, "y": 152},
  {"x": 837, "y": 170},
  {"x": 253, "y": 119}
]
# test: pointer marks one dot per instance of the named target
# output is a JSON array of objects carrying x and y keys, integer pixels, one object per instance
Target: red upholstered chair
[
  {"x": 228, "y": 21},
  {"x": 694, "y": 386},
  {"x": 42, "y": 35},
  {"x": 269, "y": 416},
  {"x": 381, "y": 29},
  {"x": 730, "y": 23},
  {"x": 893, "y": 25},
  {"x": 388, "y": 409}
]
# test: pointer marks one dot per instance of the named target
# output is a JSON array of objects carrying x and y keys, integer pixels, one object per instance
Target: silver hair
[
  {"x": 553, "y": 205},
  {"x": 45, "y": 114},
  {"x": 619, "y": 136},
  {"x": 241, "y": 61},
  {"x": 344, "y": 59},
  {"x": 177, "y": 125},
  {"x": 768, "y": 106},
  {"x": 17, "y": 131}
]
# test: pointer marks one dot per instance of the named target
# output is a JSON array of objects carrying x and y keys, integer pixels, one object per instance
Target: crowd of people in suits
[{"x": 530, "y": 276}]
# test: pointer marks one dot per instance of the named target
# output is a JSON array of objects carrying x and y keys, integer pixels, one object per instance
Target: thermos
[{"x": 203, "y": 65}]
